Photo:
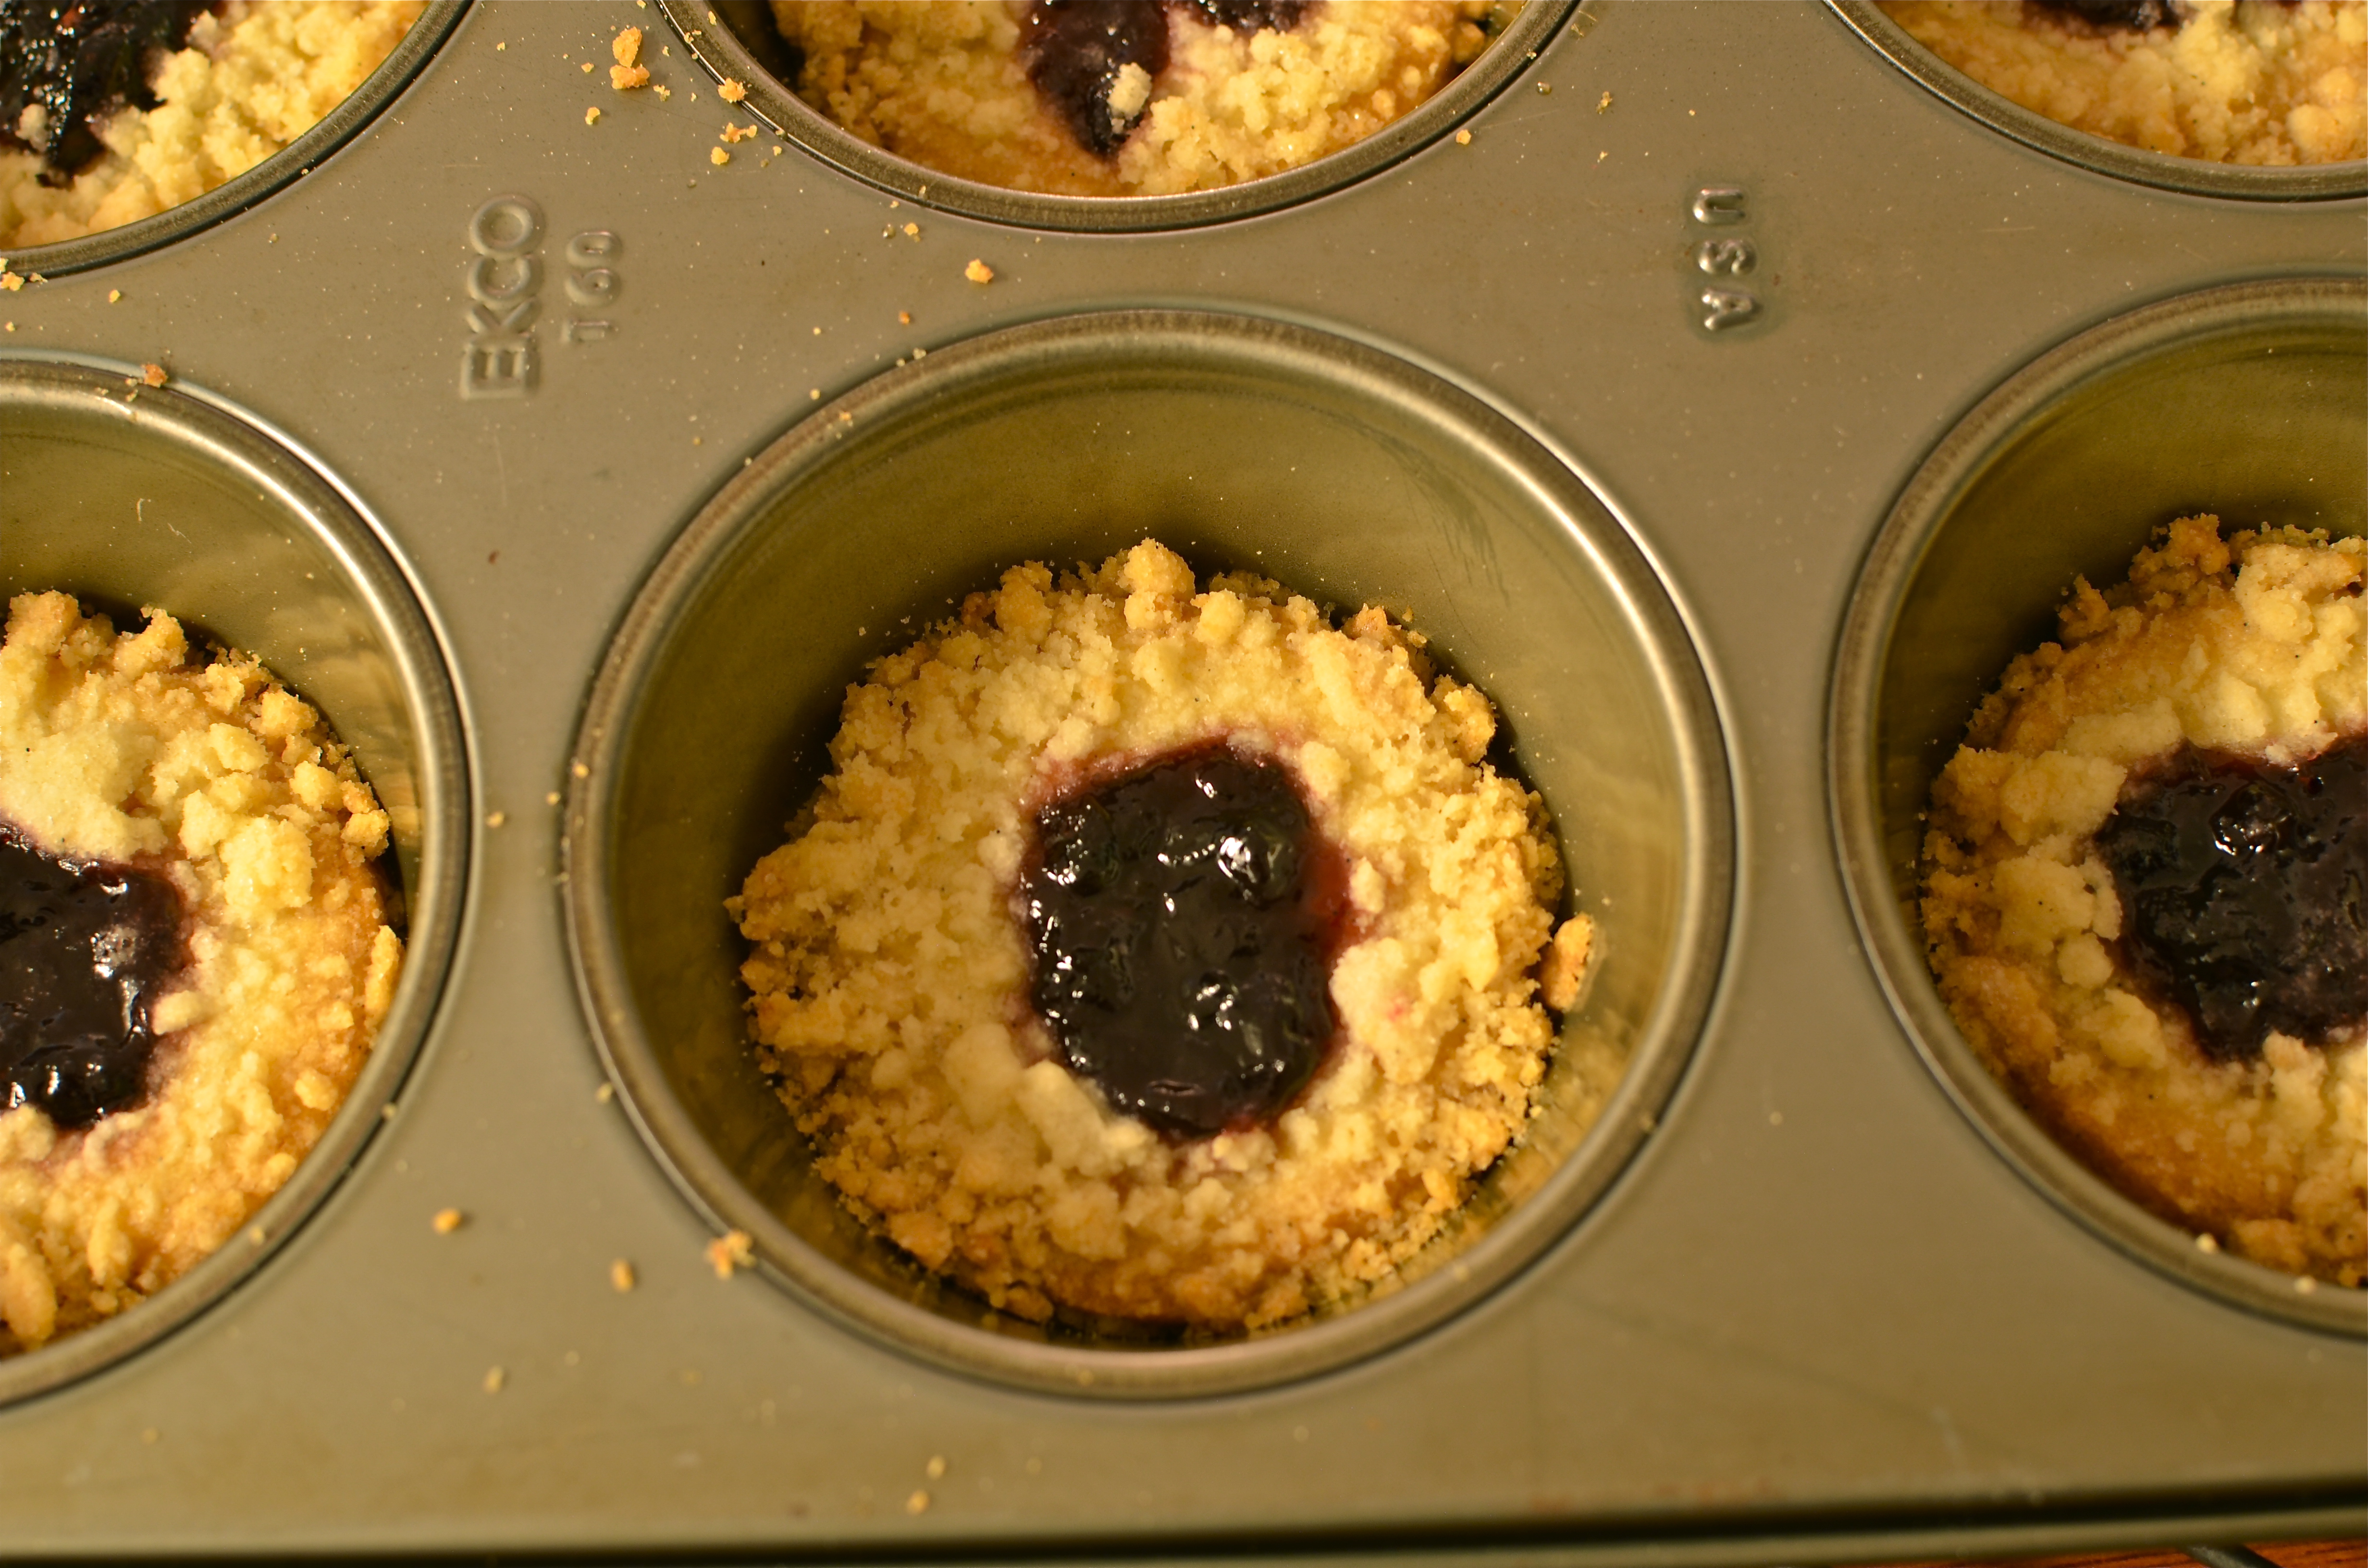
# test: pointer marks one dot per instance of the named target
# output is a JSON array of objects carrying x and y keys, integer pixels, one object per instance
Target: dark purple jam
[
  {"x": 1182, "y": 919},
  {"x": 2244, "y": 894},
  {"x": 81, "y": 61},
  {"x": 85, "y": 948},
  {"x": 1074, "y": 49},
  {"x": 2128, "y": 16}
]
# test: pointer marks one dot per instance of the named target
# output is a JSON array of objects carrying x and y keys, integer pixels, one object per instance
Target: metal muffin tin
[{"x": 1741, "y": 303}]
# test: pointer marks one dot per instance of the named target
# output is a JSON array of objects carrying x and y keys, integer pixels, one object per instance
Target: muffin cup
[
  {"x": 1346, "y": 474},
  {"x": 124, "y": 496},
  {"x": 2250, "y": 402},
  {"x": 734, "y": 39},
  {"x": 381, "y": 87},
  {"x": 2197, "y": 177}
]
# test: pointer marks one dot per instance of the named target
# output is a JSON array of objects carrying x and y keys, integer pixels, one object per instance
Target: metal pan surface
[{"x": 1723, "y": 271}]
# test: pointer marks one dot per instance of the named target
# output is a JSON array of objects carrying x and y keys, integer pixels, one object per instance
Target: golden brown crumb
[
  {"x": 447, "y": 1220},
  {"x": 114, "y": 296},
  {"x": 11, "y": 281},
  {"x": 494, "y": 1379},
  {"x": 625, "y": 78},
  {"x": 935, "y": 1468},
  {"x": 732, "y": 92},
  {"x": 495, "y": 819},
  {"x": 1463, "y": 139},
  {"x": 620, "y": 1276},
  {"x": 591, "y": 117},
  {"x": 978, "y": 271},
  {"x": 1564, "y": 973},
  {"x": 918, "y": 1503},
  {"x": 152, "y": 375},
  {"x": 719, "y": 158},
  {"x": 1603, "y": 103},
  {"x": 903, "y": 318},
  {"x": 627, "y": 46},
  {"x": 729, "y": 1251}
]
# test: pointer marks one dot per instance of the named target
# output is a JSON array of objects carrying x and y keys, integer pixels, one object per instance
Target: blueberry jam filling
[
  {"x": 78, "y": 62},
  {"x": 2244, "y": 890},
  {"x": 2125, "y": 15},
  {"x": 85, "y": 948},
  {"x": 1074, "y": 49},
  {"x": 1182, "y": 919}
]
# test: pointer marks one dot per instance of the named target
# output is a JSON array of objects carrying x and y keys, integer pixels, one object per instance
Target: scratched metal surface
[{"x": 1816, "y": 1314}]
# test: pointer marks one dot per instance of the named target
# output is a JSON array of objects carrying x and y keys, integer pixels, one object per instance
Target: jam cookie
[
  {"x": 2263, "y": 82},
  {"x": 1162, "y": 954},
  {"x": 1124, "y": 97},
  {"x": 113, "y": 110},
  {"x": 2144, "y": 889},
  {"x": 194, "y": 955}
]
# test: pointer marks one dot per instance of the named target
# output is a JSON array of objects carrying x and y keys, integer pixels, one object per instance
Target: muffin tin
[{"x": 1616, "y": 397}]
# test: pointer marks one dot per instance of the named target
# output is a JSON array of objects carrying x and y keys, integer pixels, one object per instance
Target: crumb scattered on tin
[
  {"x": 1544, "y": 89},
  {"x": 903, "y": 318},
  {"x": 494, "y": 1379},
  {"x": 1603, "y": 103},
  {"x": 1463, "y": 139},
  {"x": 729, "y": 1251},
  {"x": 918, "y": 1503},
  {"x": 2207, "y": 1242},
  {"x": 935, "y": 1468},
  {"x": 592, "y": 116},
  {"x": 151, "y": 375},
  {"x": 580, "y": 770},
  {"x": 662, "y": 91},
  {"x": 605, "y": 1093},
  {"x": 551, "y": 798},
  {"x": 732, "y": 92},
  {"x": 11, "y": 281},
  {"x": 495, "y": 819},
  {"x": 620, "y": 1276},
  {"x": 978, "y": 271},
  {"x": 447, "y": 1220},
  {"x": 626, "y": 47},
  {"x": 113, "y": 295},
  {"x": 625, "y": 78},
  {"x": 585, "y": 67}
]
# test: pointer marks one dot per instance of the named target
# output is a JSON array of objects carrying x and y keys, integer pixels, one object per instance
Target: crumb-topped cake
[
  {"x": 1125, "y": 97},
  {"x": 113, "y": 110},
  {"x": 2266, "y": 82},
  {"x": 1158, "y": 951},
  {"x": 195, "y": 954},
  {"x": 2145, "y": 886}
]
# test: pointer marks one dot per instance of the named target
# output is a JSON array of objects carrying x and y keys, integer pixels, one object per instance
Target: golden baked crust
[
  {"x": 940, "y": 83},
  {"x": 2239, "y": 82},
  {"x": 889, "y": 981},
  {"x": 2252, "y": 645},
  {"x": 121, "y": 748},
  {"x": 250, "y": 81}
]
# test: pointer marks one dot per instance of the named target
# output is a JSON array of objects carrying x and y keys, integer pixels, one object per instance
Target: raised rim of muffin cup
[
  {"x": 334, "y": 129},
  {"x": 2195, "y": 176},
  {"x": 1896, "y": 719},
  {"x": 879, "y": 435},
  {"x": 288, "y": 510},
  {"x": 713, "y": 31}
]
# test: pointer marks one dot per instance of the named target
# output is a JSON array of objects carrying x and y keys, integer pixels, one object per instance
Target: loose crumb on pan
[
  {"x": 730, "y": 1251},
  {"x": 152, "y": 375},
  {"x": 978, "y": 271},
  {"x": 494, "y": 1380},
  {"x": 447, "y": 1220},
  {"x": 889, "y": 978},
  {"x": 620, "y": 1276}
]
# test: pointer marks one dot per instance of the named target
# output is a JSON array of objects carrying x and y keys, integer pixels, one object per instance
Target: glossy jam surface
[
  {"x": 80, "y": 61},
  {"x": 2244, "y": 893},
  {"x": 1074, "y": 51},
  {"x": 1182, "y": 919},
  {"x": 85, "y": 949},
  {"x": 2130, "y": 16}
]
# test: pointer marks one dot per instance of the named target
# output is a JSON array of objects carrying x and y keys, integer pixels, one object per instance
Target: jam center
[
  {"x": 85, "y": 948},
  {"x": 2245, "y": 893},
  {"x": 66, "y": 65},
  {"x": 1182, "y": 919},
  {"x": 1074, "y": 51}
]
